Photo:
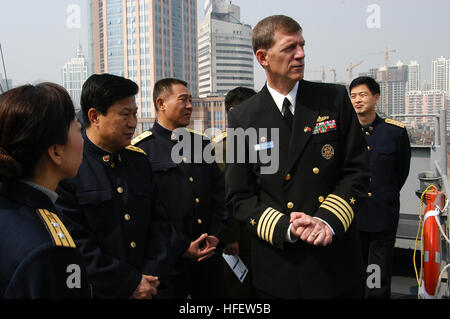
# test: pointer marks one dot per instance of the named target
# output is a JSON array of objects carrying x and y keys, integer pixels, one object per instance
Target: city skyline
[{"x": 337, "y": 33}]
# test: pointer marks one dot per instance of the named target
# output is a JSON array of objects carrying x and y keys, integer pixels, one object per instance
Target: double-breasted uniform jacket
[
  {"x": 192, "y": 191},
  {"x": 38, "y": 256},
  {"x": 112, "y": 210},
  {"x": 322, "y": 171},
  {"x": 389, "y": 156}
]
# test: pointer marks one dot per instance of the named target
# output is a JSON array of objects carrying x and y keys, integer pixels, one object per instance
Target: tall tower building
[
  {"x": 440, "y": 74},
  {"x": 413, "y": 83},
  {"x": 146, "y": 40},
  {"x": 74, "y": 74},
  {"x": 225, "y": 53},
  {"x": 397, "y": 79}
]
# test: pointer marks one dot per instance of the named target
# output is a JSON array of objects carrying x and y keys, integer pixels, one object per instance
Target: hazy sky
[{"x": 37, "y": 38}]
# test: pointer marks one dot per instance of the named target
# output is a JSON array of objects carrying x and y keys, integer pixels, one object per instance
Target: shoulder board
[
  {"x": 195, "y": 132},
  {"x": 58, "y": 232},
  {"x": 135, "y": 149},
  {"x": 220, "y": 137},
  {"x": 396, "y": 123},
  {"x": 141, "y": 137}
]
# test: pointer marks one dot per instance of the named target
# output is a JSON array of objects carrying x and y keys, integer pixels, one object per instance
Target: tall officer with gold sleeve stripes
[
  {"x": 305, "y": 241},
  {"x": 192, "y": 192},
  {"x": 390, "y": 155},
  {"x": 40, "y": 143},
  {"x": 111, "y": 206}
]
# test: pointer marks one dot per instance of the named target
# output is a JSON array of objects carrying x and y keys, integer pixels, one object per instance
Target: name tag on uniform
[{"x": 264, "y": 146}]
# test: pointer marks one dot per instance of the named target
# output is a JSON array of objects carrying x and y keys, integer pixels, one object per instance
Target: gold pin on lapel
[{"x": 307, "y": 129}]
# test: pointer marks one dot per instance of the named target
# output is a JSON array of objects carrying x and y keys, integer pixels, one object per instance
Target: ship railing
[{"x": 440, "y": 170}]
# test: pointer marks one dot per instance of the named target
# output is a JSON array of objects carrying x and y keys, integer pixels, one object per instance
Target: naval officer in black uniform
[
  {"x": 111, "y": 206},
  {"x": 192, "y": 192},
  {"x": 40, "y": 143},
  {"x": 390, "y": 155},
  {"x": 301, "y": 208}
]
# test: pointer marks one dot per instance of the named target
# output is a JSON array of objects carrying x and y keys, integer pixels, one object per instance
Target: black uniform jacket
[
  {"x": 112, "y": 211},
  {"x": 192, "y": 191},
  {"x": 322, "y": 171},
  {"x": 38, "y": 258},
  {"x": 390, "y": 155}
]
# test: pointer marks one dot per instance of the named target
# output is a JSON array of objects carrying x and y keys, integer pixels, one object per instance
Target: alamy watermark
[
  {"x": 242, "y": 146},
  {"x": 374, "y": 19},
  {"x": 74, "y": 278},
  {"x": 373, "y": 276},
  {"x": 73, "y": 20}
]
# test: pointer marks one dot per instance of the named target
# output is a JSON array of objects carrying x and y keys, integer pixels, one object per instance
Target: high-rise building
[
  {"x": 371, "y": 73},
  {"x": 225, "y": 51},
  {"x": 424, "y": 102},
  {"x": 74, "y": 74},
  {"x": 396, "y": 80},
  {"x": 440, "y": 74},
  {"x": 146, "y": 40},
  {"x": 413, "y": 83}
]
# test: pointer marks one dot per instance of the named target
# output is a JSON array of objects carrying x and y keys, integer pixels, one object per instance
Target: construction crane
[
  {"x": 351, "y": 67},
  {"x": 323, "y": 71},
  {"x": 334, "y": 74},
  {"x": 386, "y": 55}
]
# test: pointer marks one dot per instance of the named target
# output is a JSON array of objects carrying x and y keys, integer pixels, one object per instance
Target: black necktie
[{"x": 287, "y": 112}]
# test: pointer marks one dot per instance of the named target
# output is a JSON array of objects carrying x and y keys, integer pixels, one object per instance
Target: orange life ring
[{"x": 431, "y": 244}]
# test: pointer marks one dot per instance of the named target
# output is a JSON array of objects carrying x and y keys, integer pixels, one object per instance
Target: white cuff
[{"x": 288, "y": 235}]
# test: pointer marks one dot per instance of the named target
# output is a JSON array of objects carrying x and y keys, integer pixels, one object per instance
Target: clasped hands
[
  {"x": 147, "y": 288},
  {"x": 202, "y": 248},
  {"x": 310, "y": 229}
]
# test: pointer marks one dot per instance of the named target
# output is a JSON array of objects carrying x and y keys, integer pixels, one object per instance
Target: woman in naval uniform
[{"x": 40, "y": 144}]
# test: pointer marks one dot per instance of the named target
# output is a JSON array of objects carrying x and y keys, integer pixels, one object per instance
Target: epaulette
[
  {"x": 135, "y": 149},
  {"x": 58, "y": 232},
  {"x": 195, "y": 132},
  {"x": 141, "y": 137},
  {"x": 220, "y": 137},
  {"x": 396, "y": 123}
]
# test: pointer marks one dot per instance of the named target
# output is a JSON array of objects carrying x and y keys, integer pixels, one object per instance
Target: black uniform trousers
[{"x": 378, "y": 249}]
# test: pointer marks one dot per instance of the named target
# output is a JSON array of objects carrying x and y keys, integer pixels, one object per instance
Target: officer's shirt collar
[
  {"x": 370, "y": 127},
  {"x": 279, "y": 98},
  {"x": 166, "y": 133},
  {"x": 52, "y": 195},
  {"x": 107, "y": 158}
]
